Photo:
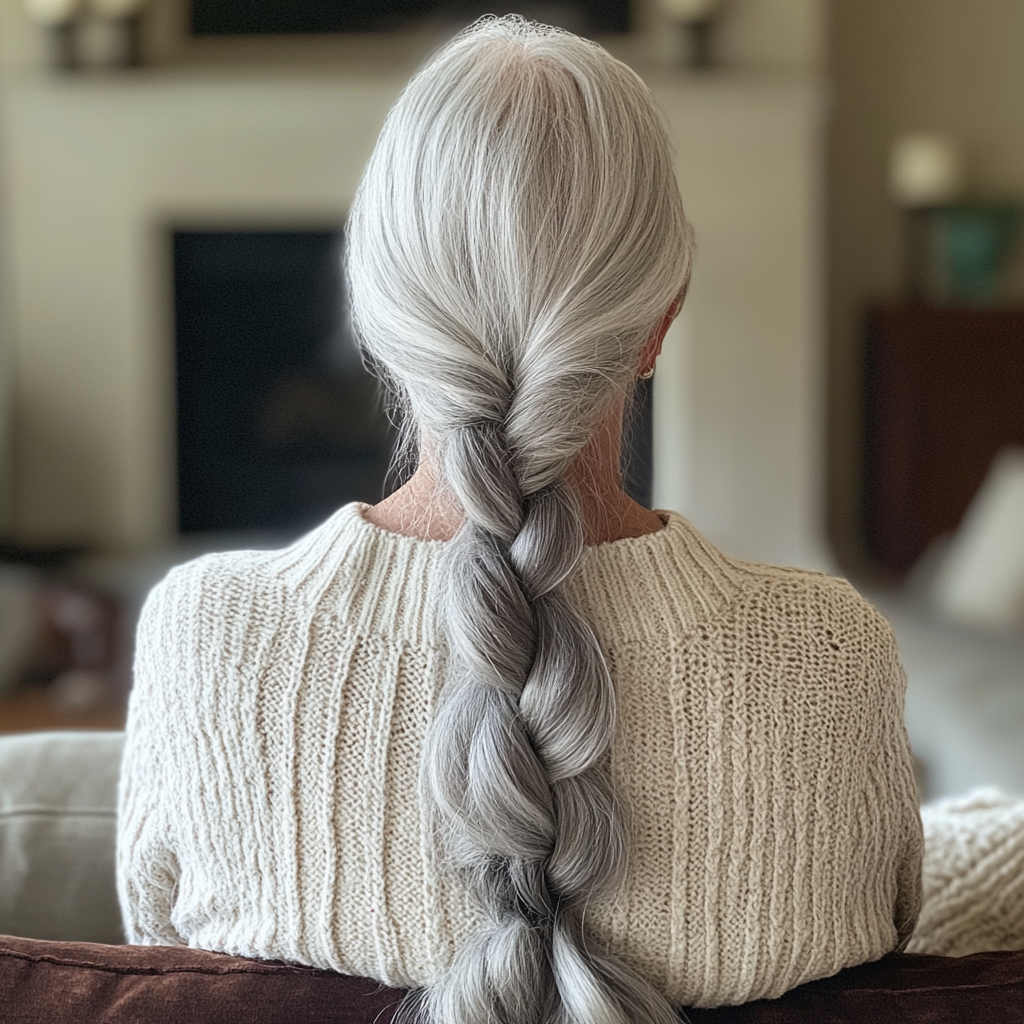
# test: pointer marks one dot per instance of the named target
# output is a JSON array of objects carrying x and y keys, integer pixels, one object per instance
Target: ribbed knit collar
[{"x": 384, "y": 583}]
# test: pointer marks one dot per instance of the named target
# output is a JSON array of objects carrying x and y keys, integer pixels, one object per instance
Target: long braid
[
  {"x": 517, "y": 759},
  {"x": 516, "y": 239}
]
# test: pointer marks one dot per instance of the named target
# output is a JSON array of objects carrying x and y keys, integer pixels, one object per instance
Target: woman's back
[
  {"x": 272, "y": 797},
  {"x": 551, "y": 784}
]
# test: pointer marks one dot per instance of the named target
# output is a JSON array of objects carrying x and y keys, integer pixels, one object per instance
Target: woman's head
[
  {"x": 517, "y": 237},
  {"x": 515, "y": 243}
]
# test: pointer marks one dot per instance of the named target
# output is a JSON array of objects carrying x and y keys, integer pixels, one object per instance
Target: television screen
[{"x": 291, "y": 17}]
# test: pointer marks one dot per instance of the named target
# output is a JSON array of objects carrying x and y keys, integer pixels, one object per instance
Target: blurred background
[{"x": 844, "y": 389}]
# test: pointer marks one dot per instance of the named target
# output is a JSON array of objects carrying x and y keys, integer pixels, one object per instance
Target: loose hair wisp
[{"x": 516, "y": 238}]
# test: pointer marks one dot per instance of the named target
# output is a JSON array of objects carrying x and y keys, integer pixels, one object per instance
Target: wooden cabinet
[{"x": 944, "y": 391}]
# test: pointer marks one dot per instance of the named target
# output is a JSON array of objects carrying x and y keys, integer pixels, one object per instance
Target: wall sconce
[
  {"x": 58, "y": 18},
  {"x": 95, "y": 33},
  {"x": 697, "y": 20},
  {"x": 123, "y": 20}
]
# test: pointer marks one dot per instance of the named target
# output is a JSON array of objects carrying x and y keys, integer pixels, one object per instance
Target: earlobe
[{"x": 652, "y": 349}]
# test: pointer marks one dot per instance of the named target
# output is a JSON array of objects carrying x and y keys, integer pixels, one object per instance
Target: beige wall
[{"x": 903, "y": 65}]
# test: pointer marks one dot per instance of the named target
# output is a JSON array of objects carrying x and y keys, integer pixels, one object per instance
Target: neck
[{"x": 426, "y": 509}]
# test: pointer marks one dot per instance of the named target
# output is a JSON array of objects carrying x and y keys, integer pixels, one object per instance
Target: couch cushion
[
  {"x": 65, "y": 983},
  {"x": 72, "y": 982},
  {"x": 58, "y": 820}
]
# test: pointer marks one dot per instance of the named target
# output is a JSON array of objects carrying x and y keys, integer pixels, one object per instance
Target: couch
[{"x": 62, "y": 961}]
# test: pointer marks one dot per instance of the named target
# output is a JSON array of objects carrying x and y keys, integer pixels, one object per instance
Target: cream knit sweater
[
  {"x": 973, "y": 875},
  {"x": 269, "y": 803}
]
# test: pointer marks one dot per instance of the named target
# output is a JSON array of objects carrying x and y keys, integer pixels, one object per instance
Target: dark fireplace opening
[{"x": 279, "y": 423}]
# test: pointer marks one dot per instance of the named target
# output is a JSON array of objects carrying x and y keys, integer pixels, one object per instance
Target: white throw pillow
[
  {"x": 981, "y": 580},
  {"x": 58, "y": 819}
]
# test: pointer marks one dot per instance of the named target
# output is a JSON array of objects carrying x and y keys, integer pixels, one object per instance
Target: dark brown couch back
[{"x": 72, "y": 982}]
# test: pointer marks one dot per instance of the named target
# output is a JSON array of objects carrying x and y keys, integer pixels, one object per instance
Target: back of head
[{"x": 516, "y": 239}]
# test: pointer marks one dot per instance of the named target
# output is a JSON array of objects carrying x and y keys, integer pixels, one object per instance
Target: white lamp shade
[
  {"x": 925, "y": 170},
  {"x": 52, "y": 12},
  {"x": 690, "y": 10},
  {"x": 981, "y": 582}
]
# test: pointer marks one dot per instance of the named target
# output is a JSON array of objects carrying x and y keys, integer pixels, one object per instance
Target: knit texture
[
  {"x": 270, "y": 806},
  {"x": 973, "y": 875}
]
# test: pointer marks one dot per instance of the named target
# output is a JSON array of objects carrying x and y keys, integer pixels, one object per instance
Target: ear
[{"x": 652, "y": 349}]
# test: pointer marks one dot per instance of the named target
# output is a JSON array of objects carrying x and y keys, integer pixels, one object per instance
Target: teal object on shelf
[{"x": 974, "y": 240}]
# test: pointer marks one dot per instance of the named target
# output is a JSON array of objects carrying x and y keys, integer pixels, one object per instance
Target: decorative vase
[{"x": 972, "y": 242}]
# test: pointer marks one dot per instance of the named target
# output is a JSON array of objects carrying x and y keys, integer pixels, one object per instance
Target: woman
[{"x": 507, "y": 737}]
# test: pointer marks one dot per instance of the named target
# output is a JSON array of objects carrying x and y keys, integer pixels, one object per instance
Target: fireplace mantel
[{"x": 97, "y": 171}]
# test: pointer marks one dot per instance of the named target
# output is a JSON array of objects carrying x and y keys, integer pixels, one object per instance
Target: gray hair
[{"x": 515, "y": 240}]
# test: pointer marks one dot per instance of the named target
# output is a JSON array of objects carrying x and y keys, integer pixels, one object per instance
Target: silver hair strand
[{"x": 516, "y": 239}]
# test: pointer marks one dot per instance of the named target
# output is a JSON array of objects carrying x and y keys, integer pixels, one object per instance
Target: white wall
[
  {"x": 6, "y": 365},
  {"x": 739, "y": 439},
  {"x": 100, "y": 169}
]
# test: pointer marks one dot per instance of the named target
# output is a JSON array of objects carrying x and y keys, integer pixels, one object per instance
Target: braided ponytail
[{"x": 516, "y": 238}]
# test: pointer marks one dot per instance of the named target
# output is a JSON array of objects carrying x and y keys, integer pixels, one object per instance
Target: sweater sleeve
[{"x": 147, "y": 865}]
